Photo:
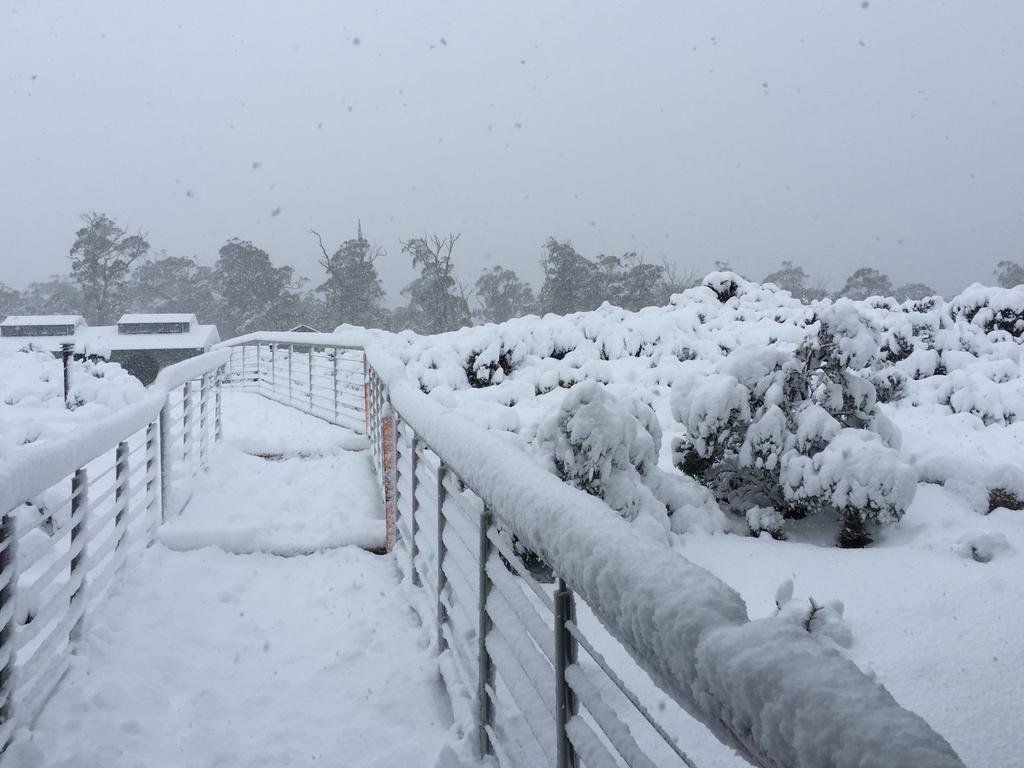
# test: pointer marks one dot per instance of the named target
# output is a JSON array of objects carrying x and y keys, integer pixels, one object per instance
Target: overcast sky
[{"x": 837, "y": 134}]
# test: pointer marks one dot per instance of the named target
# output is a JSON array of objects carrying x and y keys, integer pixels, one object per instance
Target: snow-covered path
[{"x": 206, "y": 657}]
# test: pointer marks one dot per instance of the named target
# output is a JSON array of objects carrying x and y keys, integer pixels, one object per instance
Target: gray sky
[{"x": 829, "y": 133}]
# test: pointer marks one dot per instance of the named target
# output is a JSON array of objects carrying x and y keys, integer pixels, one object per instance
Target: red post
[{"x": 387, "y": 439}]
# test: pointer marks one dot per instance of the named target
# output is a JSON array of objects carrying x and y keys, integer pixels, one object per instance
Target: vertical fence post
[
  {"x": 334, "y": 358},
  {"x": 291, "y": 354},
  {"x": 387, "y": 448},
  {"x": 121, "y": 498},
  {"x": 218, "y": 422},
  {"x": 414, "y": 505},
  {"x": 152, "y": 459},
  {"x": 67, "y": 351},
  {"x": 165, "y": 459},
  {"x": 310, "y": 358},
  {"x": 367, "y": 373},
  {"x": 243, "y": 375},
  {"x": 486, "y": 671},
  {"x": 79, "y": 513},
  {"x": 259, "y": 380},
  {"x": 204, "y": 396},
  {"x": 8, "y": 540},
  {"x": 396, "y": 489},
  {"x": 565, "y": 655},
  {"x": 442, "y": 550},
  {"x": 186, "y": 426},
  {"x": 273, "y": 368}
]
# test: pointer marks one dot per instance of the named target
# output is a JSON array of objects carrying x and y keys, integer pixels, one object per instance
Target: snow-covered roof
[
  {"x": 101, "y": 339},
  {"x": 75, "y": 320},
  {"x": 171, "y": 317}
]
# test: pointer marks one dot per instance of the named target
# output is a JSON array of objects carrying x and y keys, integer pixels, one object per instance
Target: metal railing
[
  {"x": 75, "y": 510},
  {"x": 323, "y": 379},
  {"x": 531, "y": 684}
]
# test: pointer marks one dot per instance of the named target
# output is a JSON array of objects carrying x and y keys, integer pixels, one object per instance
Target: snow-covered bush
[
  {"x": 32, "y": 403},
  {"x": 925, "y": 362},
  {"x": 610, "y": 450},
  {"x": 795, "y": 431}
]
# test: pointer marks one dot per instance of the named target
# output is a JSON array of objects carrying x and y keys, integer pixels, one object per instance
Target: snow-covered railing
[
  {"x": 308, "y": 371},
  {"x": 75, "y": 509},
  {"x": 534, "y": 687}
]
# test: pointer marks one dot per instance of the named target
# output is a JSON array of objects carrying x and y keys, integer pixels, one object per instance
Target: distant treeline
[{"x": 113, "y": 271}]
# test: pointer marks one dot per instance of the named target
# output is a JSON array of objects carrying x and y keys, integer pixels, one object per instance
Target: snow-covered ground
[
  {"x": 284, "y": 483},
  {"x": 211, "y": 658}
]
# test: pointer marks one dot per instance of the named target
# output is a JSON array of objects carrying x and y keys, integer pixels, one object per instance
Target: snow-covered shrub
[
  {"x": 609, "y": 449},
  {"x": 823, "y": 620},
  {"x": 796, "y": 431}
]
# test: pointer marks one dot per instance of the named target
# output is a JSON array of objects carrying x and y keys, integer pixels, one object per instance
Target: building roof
[
  {"x": 179, "y": 317},
  {"x": 75, "y": 320},
  {"x": 104, "y": 339},
  {"x": 303, "y": 328}
]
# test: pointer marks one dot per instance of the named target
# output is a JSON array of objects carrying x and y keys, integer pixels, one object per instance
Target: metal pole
[
  {"x": 310, "y": 358},
  {"x": 121, "y": 499},
  {"x": 67, "y": 351},
  {"x": 486, "y": 671},
  {"x": 442, "y": 613},
  {"x": 259, "y": 381},
  {"x": 8, "y": 539},
  {"x": 242, "y": 375},
  {"x": 152, "y": 457},
  {"x": 79, "y": 510},
  {"x": 186, "y": 426},
  {"x": 218, "y": 430},
  {"x": 273, "y": 368},
  {"x": 334, "y": 357},
  {"x": 291, "y": 352},
  {"x": 565, "y": 655},
  {"x": 204, "y": 396},
  {"x": 165, "y": 458},
  {"x": 414, "y": 505}
]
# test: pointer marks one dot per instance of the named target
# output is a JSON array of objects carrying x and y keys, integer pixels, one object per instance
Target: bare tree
[
  {"x": 437, "y": 301},
  {"x": 101, "y": 257}
]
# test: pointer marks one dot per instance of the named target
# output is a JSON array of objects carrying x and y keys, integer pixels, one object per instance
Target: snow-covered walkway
[{"x": 216, "y": 653}]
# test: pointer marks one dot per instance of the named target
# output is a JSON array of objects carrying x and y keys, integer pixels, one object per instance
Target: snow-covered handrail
[
  {"x": 781, "y": 698},
  {"x": 34, "y": 468},
  {"x": 90, "y": 498}
]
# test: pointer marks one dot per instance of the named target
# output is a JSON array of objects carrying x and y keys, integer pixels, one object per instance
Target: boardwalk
[{"x": 208, "y": 657}]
